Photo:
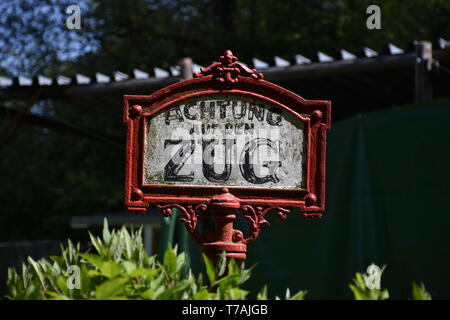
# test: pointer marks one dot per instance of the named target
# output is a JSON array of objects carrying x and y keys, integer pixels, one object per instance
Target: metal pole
[
  {"x": 186, "y": 68},
  {"x": 422, "y": 71}
]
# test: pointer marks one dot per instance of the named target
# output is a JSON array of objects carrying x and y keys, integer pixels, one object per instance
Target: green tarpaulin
[{"x": 388, "y": 202}]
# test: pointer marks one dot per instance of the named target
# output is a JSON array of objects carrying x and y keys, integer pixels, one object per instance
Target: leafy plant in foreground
[
  {"x": 121, "y": 269},
  {"x": 362, "y": 292}
]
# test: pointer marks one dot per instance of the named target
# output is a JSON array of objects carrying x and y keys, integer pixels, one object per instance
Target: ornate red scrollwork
[
  {"x": 228, "y": 69},
  {"x": 223, "y": 208},
  {"x": 190, "y": 218},
  {"x": 257, "y": 220}
]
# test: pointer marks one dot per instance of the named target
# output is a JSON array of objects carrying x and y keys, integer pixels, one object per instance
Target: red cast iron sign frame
[{"x": 232, "y": 78}]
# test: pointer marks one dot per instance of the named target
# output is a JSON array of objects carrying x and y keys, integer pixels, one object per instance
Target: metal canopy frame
[{"x": 373, "y": 80}]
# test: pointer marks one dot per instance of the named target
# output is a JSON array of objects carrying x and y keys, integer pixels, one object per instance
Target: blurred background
[{"x": 64, "y": 66}]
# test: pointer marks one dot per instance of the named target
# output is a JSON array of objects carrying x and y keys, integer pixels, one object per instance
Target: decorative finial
[{"x": 228, "y": 69}]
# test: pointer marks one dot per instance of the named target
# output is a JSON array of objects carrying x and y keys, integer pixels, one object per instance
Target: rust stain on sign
[{"x": 225, "y": 140}]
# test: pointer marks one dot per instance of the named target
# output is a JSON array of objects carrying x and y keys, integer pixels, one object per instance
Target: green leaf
[
  {"x": 94, "y": 273},
  {"x": 236, "y": 294},
  {"x": 13, "y": 283},
  {"x": 72, "y": 253},
  {"x": 159, "y": 290},
  {"x": 202, "y": 295},
  {"x": 155, "y": 283},
  {"x": 139, "y": 272},
  {"x": 175, "y": 292},
  {"x": 32, "y": 292},
  {"x": 129, "y": 266},
  {"x": 110, "y": 288},
  {"x": 200, "y": 280},
  {"x": 148, "y": 294},
  {"x": 299, "y": 295},
  {"x": 57, "y": 296},
  {"x": 62, "y": 285},
  {"x": 38, "y": 271},
  {"x": 96, "y": 242},
  {"x": 262, "y": 295},
  {"x": 288, "y": 294},
  {"x": 358, "y": 293},
  {"x": 221, "y": 265},
  {"x": 150, "y": 262},
  {"x": 210, "y": 272},
  {"x": 419, "y": 292},
  {"x": 110, "y": 269},
  {"x": 59, "y": 261},
  {"x": 127, "y": 241},
  {"x": 93, "y": 259},
  {"x": 86, "y": 282},
  {"x": 116, "y": 246},
  {"x": 181, "y": 261},
  {"x": 244, "y": 276},
  {"x": 106, "y": 233},
  {"x": 233, "y": 267},
  {"x": 382, "y": 294},
  {"x": 359, "y": 280},
  {"x": 227, "y": 282},
  {"x": 170, "y": 262}
]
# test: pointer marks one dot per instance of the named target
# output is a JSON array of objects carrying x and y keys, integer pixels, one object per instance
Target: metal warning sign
[
  {"x": 226, "y": 132},
  {"x": 224, "y": 140}
]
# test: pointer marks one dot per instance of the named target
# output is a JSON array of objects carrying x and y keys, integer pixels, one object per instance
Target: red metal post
[{"x": 223, "y": 208}]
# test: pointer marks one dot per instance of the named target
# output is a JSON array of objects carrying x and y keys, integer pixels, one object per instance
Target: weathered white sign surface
[{"x": 225, "y": 140}]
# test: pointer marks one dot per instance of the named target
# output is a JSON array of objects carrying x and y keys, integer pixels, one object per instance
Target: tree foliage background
[{"x": 47, "y": 176}]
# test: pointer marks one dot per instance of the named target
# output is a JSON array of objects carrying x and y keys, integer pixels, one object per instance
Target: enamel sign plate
[
  {"x": 224, "y": 140},
  {"x": 225, "y": 129}
]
